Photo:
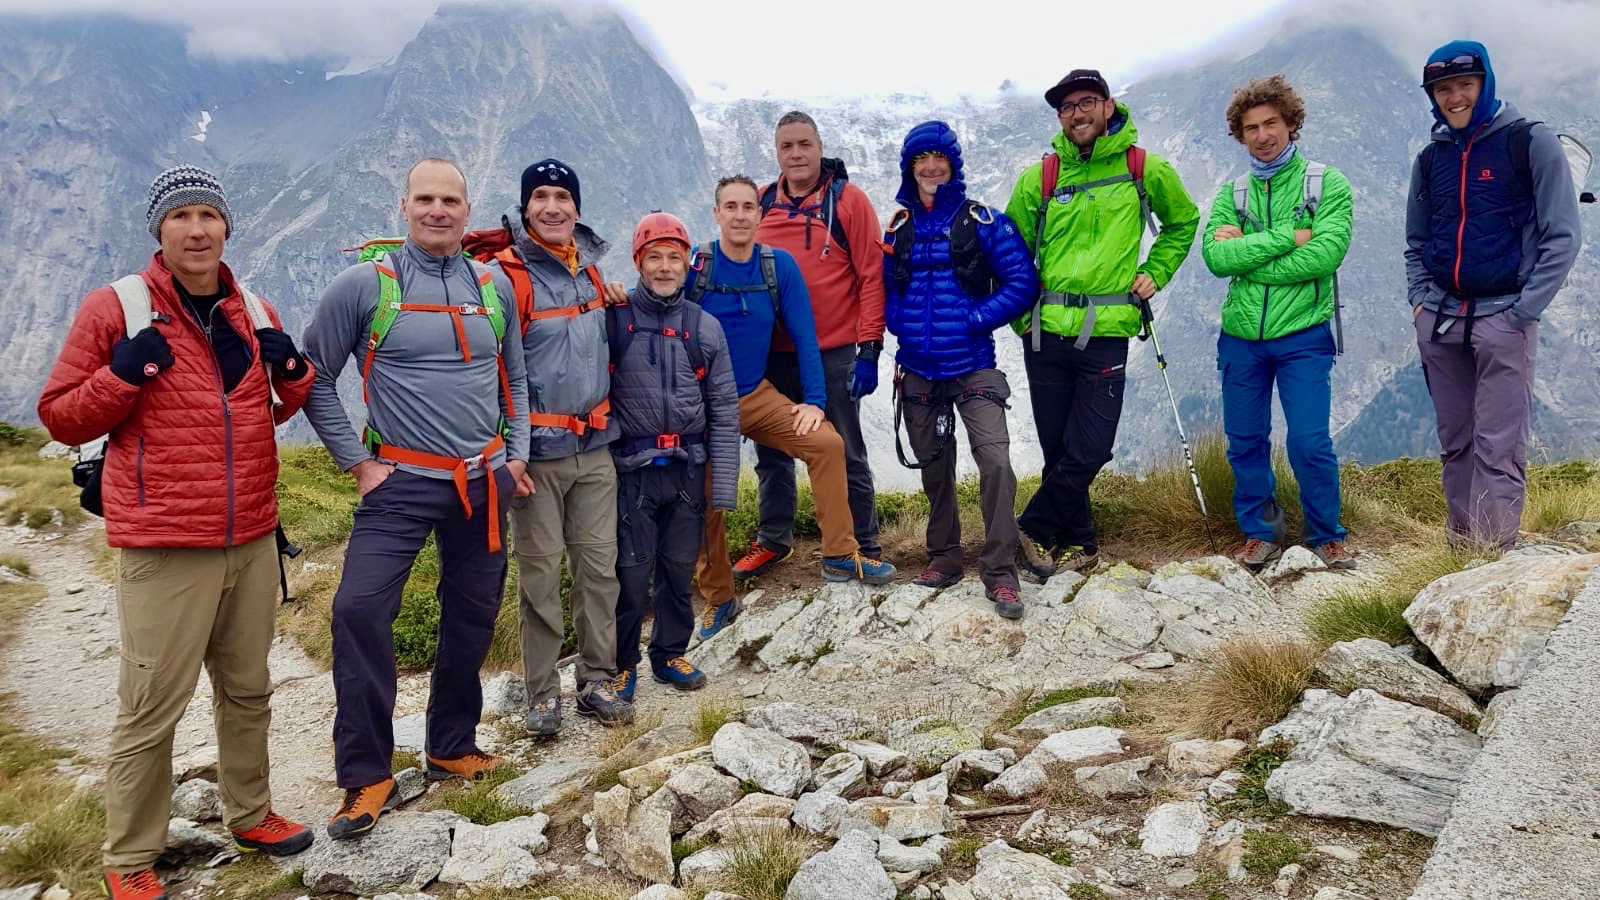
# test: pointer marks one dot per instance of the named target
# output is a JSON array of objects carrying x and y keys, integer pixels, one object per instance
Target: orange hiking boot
[
  {"x": 760, "y": 560},
  {"x": 361, "y": 808},
  {"x": 472, "y": 767},
  {"x": 140, "y": 885},
  {"x": 275, "y": 836}
]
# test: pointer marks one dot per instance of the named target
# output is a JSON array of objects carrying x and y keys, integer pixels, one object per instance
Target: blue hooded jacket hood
[
  {"x": 1487, "y": 105},
  {"x": 937, "y": 137}
]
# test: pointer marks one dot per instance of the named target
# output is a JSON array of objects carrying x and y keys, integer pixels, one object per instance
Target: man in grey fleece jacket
[
  {"x": 433, "y": 460},
  {"x": 1491, "y": 233}
]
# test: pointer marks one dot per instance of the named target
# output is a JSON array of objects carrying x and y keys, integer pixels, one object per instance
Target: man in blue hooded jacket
[
  {"x": 958, "y": 271},
  {"x": 1491, "y": 233}
]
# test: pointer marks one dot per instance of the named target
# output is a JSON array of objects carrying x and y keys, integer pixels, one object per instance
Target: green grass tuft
[
  {"x": 761, "y": 863},
  {"x": 1257, "y": 766},
  {"x": 1265, "y": 852},
  {"x": 480, "y": 803},
  {"x": 1374, "y": 611}
]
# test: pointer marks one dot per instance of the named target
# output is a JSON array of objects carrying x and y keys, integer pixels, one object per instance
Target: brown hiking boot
[
  {"x": 1335, "y": 555},
  {"x": 472, "y": 767},
  {"x": 1076, "y": 559},
  {"x": 1256, "y": 553},
  {"x": 361, "y": 808},
  {"x": 1034, "y": 557}
]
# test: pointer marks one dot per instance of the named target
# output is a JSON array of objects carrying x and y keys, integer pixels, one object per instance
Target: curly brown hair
[{"x": 1275, "y": 92}]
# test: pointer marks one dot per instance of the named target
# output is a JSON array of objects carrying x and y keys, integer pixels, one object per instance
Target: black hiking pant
[{"x": 661, "y": 513}]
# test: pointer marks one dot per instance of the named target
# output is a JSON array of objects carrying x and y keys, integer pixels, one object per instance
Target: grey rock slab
[
  {"x": 187, "y": 840},
  {"x": 841, "y": 773},
  {"x": 1367, "y": 663},
  {"x": 633, "y": 839},
  {"x": 934, "y": 789},
  {"x": 1151, "y": 661},
  {"x": 1524, "y": 822},
  {"x": 1059, "y": 590},
  {"x": 660, "y": 892},
  {"x": 1114, "y": 612},
  {"x": 1225, "y": 785},
  {"x": 1378, "y": 760},
  {"x": 753, "y": 812},
  {"x": 1027, "y": 777},
  {"x": 504, "y": 696},
  {"x": 1305, "y": 720},
  {"x": 405, "y": 852},
  {"x": 1202, "y": 758},
  {"x": 929, "y": 741},
  {"x": 903, "y": 603},
  {"x": 702, "y": 791},
  {"x": 820, "y": 813},
  {"x": 1205, "y": 601},
  {"x": 897, "y": 857},
  {"x": 525, "y": 833},
  {"x": 1494, "y": 709},
  {"x": 974, "y": 768},
  {"x": 24, "y": 892},
  {"x": 410, "y": 784},
  {"x": 1174, "y": 830},
  {"x": 850, "y": 869},
  {"x": 1487, "y": 625},
  {"x": 822, "y": 729},
  {"x": 1067, "y": 716},
  {"x": 198, "y": 800},
  {"x": 548, "y": 784},
  {"x": 919, "y": 820},
  {"x": 738, "y": 644},
  {"x": 201, "y": 763},
  {"x": 410, "y": 733},
  {"x": 1295, "y": 560},
  {"x": 775, "y": 763},
  {"x": 1043, "y": 828},
  {"x": 1005, "y": 873},
  {"x": 835, "y": 615},
  {"x": 704, "y": 867},
  {"x": 655, "y": 773},
  {"x": 1119, "y": 780},
  {"x": 879, "y": 759}
]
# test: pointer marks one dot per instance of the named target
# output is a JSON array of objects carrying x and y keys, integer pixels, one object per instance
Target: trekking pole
[{"x": 1149, "y": 320}]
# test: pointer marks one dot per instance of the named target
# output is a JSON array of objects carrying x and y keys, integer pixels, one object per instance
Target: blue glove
[{"x": 865, "y": 379}]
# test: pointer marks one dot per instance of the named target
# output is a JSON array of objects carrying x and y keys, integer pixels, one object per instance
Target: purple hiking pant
[{"x": 1482, "y": 396}]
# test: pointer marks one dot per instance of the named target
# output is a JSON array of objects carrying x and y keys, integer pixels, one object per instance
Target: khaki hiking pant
[
  {"x": 573, "y": 508},
  {"x": 179, "y": 607},
  {"x": 764, "y": 417}
]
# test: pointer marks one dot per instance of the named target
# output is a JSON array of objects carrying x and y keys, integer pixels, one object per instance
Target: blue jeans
[{"x": 1300, "y": 364}]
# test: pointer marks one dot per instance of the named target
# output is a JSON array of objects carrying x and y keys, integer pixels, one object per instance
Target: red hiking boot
[
  {"x": 759, "y": 560},
  {"x": 140, "y": 885},
  {"x": 274, "y": 836}
]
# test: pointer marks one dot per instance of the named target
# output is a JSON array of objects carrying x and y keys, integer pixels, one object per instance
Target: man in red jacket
[
  {"x": 188, "y": 493},
  {"x": 828, "y": 225}
]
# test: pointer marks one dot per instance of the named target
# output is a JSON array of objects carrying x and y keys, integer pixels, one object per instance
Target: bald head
[
  {"x": 431, "y": 163},
  {"x": 435, "y": 206}
]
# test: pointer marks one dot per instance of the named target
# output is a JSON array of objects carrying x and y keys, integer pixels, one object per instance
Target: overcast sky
[{"x": 740, "y": 48}]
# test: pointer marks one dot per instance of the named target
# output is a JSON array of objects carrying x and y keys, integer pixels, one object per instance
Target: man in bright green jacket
[
  {"x": 1282, "y": 255},
  {"x": 1087, "y": 247}
]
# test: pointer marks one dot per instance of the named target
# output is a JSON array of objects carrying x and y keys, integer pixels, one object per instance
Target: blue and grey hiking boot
[
  {"x": 716, "y": 617},
  {"x": 598, "y": 700},
  {"x": 625, "y": 682},
  {"x": 680, "y": 673},
  {"x": 544, "y": 718},
  {"x": 1007, "y": 602},
  {"x": 855, "y": 566}
]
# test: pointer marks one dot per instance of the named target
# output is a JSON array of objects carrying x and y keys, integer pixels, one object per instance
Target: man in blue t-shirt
[{"x": 747, "y": 287}]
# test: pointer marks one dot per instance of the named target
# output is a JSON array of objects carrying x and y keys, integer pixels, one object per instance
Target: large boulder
[
  {"x": 1027, "y": 777},
  {"x": 499, "y": 855},
  {"x": 1378, "y": 760},
  {"x": 700, "y": 792},
  {"x": 1205, "y": 601},
  {"x": 198, "y": 800},
  {"x": 851, "y": 869},
  {"x": 1174, "y": 830},
  {"x": 1487, "y": 625},
  {"x": 1066, "y": 716},
  {"x": 1367, "y": 663},
  {"x": 657, "y": 772},
  {"x": 1201, "y": 758},
  {"x": 548, "y": 785},
  {"x": 633, "y": 839},
  {"x": 739, "y": 643},
  {"x": 1119, "y": 780},
  {"x": 407, "y": 851},
  {"x": 1005, "y": 873},
  {"x": 754, "y": 813},
  {"x": 822, "y": 729},
  {"x": 775, "y": 763}
]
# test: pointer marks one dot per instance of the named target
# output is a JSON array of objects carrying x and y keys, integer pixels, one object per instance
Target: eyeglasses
[
  {"x": 1087, "y": 104},
  {"x": 1465, "y": 64}
]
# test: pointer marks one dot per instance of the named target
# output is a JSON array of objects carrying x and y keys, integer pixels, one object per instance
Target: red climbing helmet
[{"x": 659, "y": 226}]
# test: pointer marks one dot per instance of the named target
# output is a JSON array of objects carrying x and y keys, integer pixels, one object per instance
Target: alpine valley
[{"x": 92, "y": 108}]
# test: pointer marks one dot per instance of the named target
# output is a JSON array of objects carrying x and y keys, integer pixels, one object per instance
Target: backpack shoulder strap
[
  {"x": 489, "y": 299},
  {"x": 1311, "y": 189},
  {"x": 1136, "y": 159},
  {"x": 619, "y": 331},
  {"x": 255, "y": 309},
  {"x": 697, "y": 350},
  {"x": 769, "y": 196},
  {"x": 904, "y": 233},
  {"x": 1049, "y": 174},
  {"x": 769, "y": 274},
  {"x": 521, "y": 284},
  {"x": 1520, "y": 144},
  {"x": 134, "y": 295},
  {"x": 830, "y": 213},
  {"x": 383, "y": 316},
  {"x": 1241, "y": 203},
  {"x": 704, "y": 262}
]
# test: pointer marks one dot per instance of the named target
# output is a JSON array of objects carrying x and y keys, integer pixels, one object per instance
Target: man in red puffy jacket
[{"x": 190, "y": 465}]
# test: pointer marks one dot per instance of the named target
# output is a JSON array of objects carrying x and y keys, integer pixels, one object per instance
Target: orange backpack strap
[
  {"x": 596, "y": 418},
  {"x": 458, "y": 469}
]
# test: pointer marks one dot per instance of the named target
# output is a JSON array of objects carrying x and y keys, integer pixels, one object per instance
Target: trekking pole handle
[{"x": 1147, "y": 318}]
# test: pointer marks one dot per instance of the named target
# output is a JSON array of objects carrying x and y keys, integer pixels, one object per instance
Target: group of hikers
[{"x": 504, "y": 377}]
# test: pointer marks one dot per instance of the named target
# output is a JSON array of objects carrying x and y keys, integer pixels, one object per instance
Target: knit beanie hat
[
  {"x": 183, "y": 186},
  {"x": 550, "y": 172}
]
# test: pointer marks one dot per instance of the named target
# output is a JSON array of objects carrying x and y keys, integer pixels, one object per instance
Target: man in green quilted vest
[{"x": 1085, "y": 228}]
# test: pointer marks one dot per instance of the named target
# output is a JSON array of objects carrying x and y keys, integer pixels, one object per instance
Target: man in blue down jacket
[{"x": 957, "y": 271}]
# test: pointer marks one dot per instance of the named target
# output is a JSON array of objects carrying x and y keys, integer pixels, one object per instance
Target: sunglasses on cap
[{"x": 1465, "y": 64}]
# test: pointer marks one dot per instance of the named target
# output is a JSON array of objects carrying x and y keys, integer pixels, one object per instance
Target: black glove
[
  {"x": 277, "y": 349},
  {"x": 141, "y": 357}
]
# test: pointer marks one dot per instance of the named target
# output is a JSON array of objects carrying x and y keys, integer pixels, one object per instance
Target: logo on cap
[{"x": 151, "y": 370}]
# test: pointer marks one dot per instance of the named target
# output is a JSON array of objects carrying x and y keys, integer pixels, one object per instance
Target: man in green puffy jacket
[
  {"x": 1086, "y": 244},
  {"x": 1281, "y": 246}
]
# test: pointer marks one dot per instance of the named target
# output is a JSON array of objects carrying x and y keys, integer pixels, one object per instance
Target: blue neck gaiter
[{"x": 1265, "y": 170}]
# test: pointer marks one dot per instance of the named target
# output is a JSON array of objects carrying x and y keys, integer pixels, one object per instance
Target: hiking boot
[
  {"x": 275, "y": 836},
  {"x": 1335, "y": 555},
  {"x": 1256, "y": 553},
  {"x": 625, "y": 683},
  {"x": 1007, "y": 602},
  {"x": 1035, "y": 558},
  {"x": 1076, "y": 559},
  {"x": 361, "y": 808},
  {"x": 140, "y": 885},
  {"x": 474, "y": 766},
  {"x": 680, "y": 673},
  {"x": 861, "y": 568},
  {"x": 598, "y": 700},
  {"x": 544, "y": 718},
  {"x": 934, "y": 578},
  {"x": 717, "y": 617},
  {"x": 760, "y": 560}
]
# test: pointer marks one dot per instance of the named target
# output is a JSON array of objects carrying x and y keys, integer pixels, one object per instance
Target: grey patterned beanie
[{"x": 183, "y": 186}]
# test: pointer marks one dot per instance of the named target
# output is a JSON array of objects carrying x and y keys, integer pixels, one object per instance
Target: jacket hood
[
  {"x": 1487, "y": 104},
  {"x": 591, "y": 247},
  {"x": 1120, "y": 135},
  {"x": 931, "y": 137}
]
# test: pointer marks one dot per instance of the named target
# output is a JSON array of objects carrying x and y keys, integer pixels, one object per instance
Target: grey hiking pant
[
  {"x": 990, "y": 444},
  {"x": 573, "y": 508},
  {"x": 1483, "y": 396},
  {"x": 775, "y": 469}
]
